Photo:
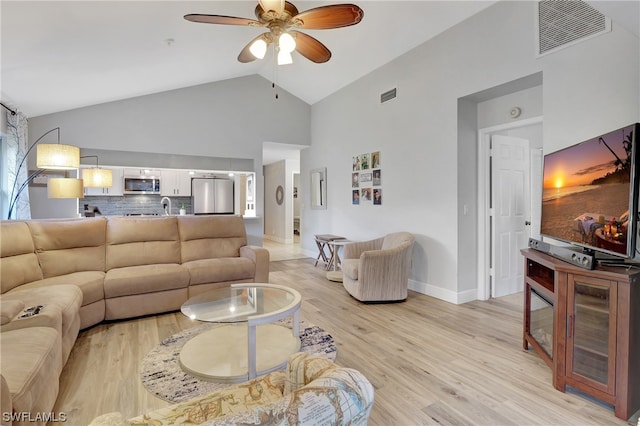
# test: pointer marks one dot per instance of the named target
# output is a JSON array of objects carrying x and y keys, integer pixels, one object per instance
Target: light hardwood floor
[
  {"x": 431, "y": 362},
  {"x": 278, "y": 251}
]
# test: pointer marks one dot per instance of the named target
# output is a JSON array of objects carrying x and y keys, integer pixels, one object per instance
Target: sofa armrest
[
  {"x": 259, "y": 256},
  {"x": 49, "y": 316},
  {"x": 354, "y": 250},
  {"x": 9, "y": 309},
  {"x": 339, "y": 396},
  {"x": 303, "y": 368}
]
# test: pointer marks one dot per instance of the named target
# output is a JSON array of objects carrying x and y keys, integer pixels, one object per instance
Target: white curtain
[{"x": 17, "y": 146}]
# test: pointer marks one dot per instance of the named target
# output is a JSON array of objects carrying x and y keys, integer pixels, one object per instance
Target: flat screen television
[{"x": 590, "y": 193}]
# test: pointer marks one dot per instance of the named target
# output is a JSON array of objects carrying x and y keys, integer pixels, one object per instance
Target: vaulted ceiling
[{"x": 60, "y": 55}]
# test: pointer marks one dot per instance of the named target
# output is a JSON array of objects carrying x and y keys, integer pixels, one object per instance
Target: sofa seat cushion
[
  {"x": 144, "y": 279},
  {"x": 91, "y": 283},
  {"x": 220, "y": 270},
  {"x": 350, "y": 268},
  {"x": 31, "y": 365}
]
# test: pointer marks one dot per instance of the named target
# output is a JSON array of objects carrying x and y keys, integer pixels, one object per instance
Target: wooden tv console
[{"x": 585, "y": 324}]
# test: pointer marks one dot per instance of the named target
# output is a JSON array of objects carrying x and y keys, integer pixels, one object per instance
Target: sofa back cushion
[
  {"x": 397, "y": 239},
  {"x": 206, "y": 237},
  {"x": 65, "y": 246},
  {"x": 18, "y": 261},
  {"x": 142, "y": 241}
]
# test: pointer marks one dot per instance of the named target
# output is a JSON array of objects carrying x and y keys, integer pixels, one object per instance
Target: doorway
[
  {"x": 509, "y": 184},
  {"x": 281, "y": 212}
]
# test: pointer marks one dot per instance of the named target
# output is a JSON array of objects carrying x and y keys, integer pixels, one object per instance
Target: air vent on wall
[
  {"x": 388, "y": 95},
  {"x": 565, "y": 22}
]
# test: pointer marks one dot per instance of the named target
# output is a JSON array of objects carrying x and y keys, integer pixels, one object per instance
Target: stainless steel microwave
[{"x": 141, "y": 185}]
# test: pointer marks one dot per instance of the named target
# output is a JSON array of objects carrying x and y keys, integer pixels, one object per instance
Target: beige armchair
[{"x": 378, "y": 270}]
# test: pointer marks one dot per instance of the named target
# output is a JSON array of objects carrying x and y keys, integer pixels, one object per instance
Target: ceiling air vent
[
  {"x": 562, "y": 23},
  {"x": 388, "y": 95}
]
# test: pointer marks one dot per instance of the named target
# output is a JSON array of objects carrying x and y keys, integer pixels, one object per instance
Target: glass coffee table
[{"x": 247, "y": 344}]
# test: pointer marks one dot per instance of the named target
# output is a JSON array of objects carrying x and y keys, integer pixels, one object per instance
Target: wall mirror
[{"x": 319, "y": 188}]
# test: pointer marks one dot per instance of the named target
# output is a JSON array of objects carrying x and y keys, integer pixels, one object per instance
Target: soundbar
[{"x": 568, "y": 254}]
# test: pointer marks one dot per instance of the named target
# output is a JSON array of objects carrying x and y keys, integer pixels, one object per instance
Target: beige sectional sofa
[{"x": 84, "y": 271}]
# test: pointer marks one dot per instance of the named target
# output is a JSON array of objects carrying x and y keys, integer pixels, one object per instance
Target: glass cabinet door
[
  {"x": 591, "y": 326},
  {"x": 540, "y": 325}
]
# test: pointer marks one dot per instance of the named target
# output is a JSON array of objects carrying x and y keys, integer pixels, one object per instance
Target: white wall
[
  {"x": 588, "y": 89},
  {"x": 229, "y": 119},
  {"x": 496, "y": 111}
]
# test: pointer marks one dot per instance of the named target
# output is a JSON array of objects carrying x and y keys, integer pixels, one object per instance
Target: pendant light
[{"x": 96, "y": 177}]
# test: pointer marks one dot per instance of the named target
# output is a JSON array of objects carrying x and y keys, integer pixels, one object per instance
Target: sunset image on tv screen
[{"x": 586, "y": 192}]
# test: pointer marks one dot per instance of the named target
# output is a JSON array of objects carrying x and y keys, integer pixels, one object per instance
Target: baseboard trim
[
  {"x": 278, "y": 239},
  {"x": 310, "y": 253},
  {"x": 450, "y": 296}
]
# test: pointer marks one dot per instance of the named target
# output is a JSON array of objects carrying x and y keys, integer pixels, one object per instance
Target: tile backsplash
[{"x": 133, "y": 205}]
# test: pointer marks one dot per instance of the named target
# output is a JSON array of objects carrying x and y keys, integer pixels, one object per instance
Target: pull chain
[{"x": 274, "y": 84}]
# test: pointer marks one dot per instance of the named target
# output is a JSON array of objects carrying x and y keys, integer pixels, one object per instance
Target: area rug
[{"x": 162, "y": 376}]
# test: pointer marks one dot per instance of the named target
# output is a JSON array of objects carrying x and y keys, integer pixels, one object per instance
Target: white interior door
[{"x": 510, "y": 192}]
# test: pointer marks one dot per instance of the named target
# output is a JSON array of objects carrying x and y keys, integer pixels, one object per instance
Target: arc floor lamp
[{"x": 50, "y": 157}]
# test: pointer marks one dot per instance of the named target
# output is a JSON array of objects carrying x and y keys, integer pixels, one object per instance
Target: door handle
[
  {"x": 570, "y": 328},
  {"x": 527, "y": 223}
]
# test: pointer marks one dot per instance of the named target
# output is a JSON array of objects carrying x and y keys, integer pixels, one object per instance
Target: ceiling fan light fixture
[
  {"x": 284, "y": 58},
  {"x": 286, "y": 42},
  {"x": 258, "y": 48},
  {"x": 283, "y": 20}
]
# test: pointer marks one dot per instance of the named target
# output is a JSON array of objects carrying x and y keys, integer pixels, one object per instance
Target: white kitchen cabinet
[
  {"x": 117, "y": 188},
  {"x": 175, "y": 183},
  {"x": 130, "y": 172}
]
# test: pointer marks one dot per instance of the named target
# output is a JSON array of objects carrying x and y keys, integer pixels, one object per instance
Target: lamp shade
[
  {"x": 286, "y": 43},
  {"x": 284, "y": 58},
  {"x": 65, "y": 188},
  {"x": 258, "y": 48},
  {"x": 96, "y": 178},
  {"x": 58, "y": 157}
]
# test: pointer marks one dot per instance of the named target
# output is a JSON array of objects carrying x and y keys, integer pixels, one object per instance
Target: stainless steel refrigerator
[{"x": 212, "y": 196}]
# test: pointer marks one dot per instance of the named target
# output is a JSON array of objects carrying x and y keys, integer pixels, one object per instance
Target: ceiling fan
[{"x": 282, "y": 19}]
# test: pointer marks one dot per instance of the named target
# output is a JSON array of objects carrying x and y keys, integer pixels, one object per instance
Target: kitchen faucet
[{"x": 166, "y": 212}]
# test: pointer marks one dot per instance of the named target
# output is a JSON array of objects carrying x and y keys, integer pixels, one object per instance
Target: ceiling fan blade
[
  {"x": 246, "y": 55},
  {"x": 332, "y": 16},
  {"x": 311, "y": 48},
  {"x": 275, "y": 5},
  {"x": 220, "y": 19}
]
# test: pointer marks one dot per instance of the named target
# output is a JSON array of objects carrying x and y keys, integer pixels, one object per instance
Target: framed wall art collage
[{"x": 366, "y": 179}]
